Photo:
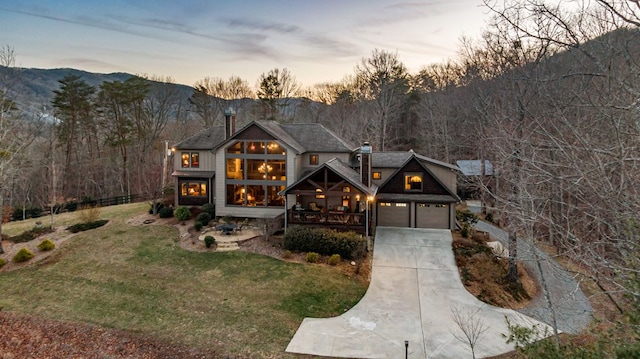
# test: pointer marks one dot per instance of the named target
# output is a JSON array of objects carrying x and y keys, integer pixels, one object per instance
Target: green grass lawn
[{"x": 137, "y": 278}]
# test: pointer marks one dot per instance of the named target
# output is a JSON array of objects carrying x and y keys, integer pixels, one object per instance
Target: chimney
[
  {"x": 229, "y": 122},
  {"x": 365, "y": 164}
]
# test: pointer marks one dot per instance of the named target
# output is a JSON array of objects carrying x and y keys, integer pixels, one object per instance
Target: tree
[
  {"x": 73, "y": 107},
  {"x": 382, "y": 80},
  {"x": 122, "y": 115},
  {"x": 15, "y": 134},
  {"x": 275, "y": 90},
  {"x": 472, "y": 325}
]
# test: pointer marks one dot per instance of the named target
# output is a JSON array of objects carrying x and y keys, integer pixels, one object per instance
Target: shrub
[
  {"x": 348, "y": 245},
  {"x": 209, "y": 208},
  {"x": 88, "y": 214},
  {"x": 2, "y": 262},
  {"x": 466, "y": 217},
  {"x": 464, "y": 232},
  {"x": 46, "y": 245},
  {"x": 30, "y": 235},
  {"x": 334, "y": 259},
  {"x": 313, "y": 257},
  {"x": 80, "y": 227},
  {"x": 198, "y": 226},
  {"x": 209, "y": 241},
  {"x": 204, "y": 218},
  {"x": 287, "y": 254},
  {"x": 182, "y": 213},
  {"x": 23, "y": 255},
  {"x": 166, "y": 212}
]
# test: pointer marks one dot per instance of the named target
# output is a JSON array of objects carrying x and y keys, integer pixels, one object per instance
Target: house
[
  {"x": 319, "y": 178},
  {"x": 478, "y": 178}
]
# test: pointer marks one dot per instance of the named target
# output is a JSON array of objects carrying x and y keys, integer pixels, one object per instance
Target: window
[
  {"x": 376, "y": 175},
  {"x": 193, "y": 189},
  {"x": 313, "y": 160},
  {"x": 413, "y": 182},
  {"x": 190, "y": 159},
  {"x": 255, "y": 172},
  {"x": 384, "y": 204}
]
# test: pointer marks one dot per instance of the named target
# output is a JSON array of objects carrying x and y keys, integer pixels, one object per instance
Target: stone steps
[{"x": 226, "y": 246}]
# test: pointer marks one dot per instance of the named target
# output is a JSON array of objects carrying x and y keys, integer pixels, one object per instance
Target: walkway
[
  {"x": 572, "y": 308},
  {"x": 414, "y": 286}
]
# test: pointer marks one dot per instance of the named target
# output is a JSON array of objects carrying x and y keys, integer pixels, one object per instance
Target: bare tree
[
  {"x": 275, "y": 91},
  {"x": 471, "y": 324}
]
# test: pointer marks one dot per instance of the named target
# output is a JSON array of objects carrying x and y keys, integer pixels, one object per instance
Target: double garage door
[{"x": 413, "y": 214}]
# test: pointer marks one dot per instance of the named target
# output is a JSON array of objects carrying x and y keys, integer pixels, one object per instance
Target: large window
[
  {"x": 190, "y": 159},
  {"x": 255, "y": 172},
  {"x": 193, "y": 189},
  {"x": 413, "y": 182}
]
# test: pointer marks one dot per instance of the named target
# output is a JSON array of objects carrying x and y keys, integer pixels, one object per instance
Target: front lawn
[{"x": 137, "y": 278}]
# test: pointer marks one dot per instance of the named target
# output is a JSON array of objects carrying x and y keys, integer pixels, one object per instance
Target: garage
[
  {"x": 432, "y": 215},
  {"x": 393, "y": 214}
]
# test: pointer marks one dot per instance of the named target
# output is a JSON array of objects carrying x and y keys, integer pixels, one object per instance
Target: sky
[{"x": 317, "y": 41}]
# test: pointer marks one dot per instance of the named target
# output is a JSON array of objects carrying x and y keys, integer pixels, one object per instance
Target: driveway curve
[{"x": 414, "y": 286}]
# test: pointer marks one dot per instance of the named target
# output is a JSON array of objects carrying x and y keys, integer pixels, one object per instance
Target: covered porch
[{"x": 331, "y": 196}]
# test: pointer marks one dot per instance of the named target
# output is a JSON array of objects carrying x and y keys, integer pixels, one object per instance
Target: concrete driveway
[{"x": 414, "y": 285}]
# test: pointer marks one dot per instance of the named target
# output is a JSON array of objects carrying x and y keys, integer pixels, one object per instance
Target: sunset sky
[{"x": 318, "y": 41}]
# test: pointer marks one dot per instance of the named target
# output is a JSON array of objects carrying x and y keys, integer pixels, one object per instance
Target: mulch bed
[{"x": 26, "y": 337}]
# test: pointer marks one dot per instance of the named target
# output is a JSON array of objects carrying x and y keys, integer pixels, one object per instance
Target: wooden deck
[{"x": 342, "y": 221}]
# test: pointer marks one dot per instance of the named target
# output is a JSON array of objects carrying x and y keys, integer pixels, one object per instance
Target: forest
[{"x": 549, "y": 94}]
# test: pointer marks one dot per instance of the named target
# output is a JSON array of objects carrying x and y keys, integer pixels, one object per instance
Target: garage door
[
  {"x": 393, "y": 214},
  {"x": 431, "y": 215}
]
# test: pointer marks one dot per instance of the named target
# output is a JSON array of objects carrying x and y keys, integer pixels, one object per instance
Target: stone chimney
[
  {"x": 365, "y": 164},
  {"x": 229, "y": 122}
]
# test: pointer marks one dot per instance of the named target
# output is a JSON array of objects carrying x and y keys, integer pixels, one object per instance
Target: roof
[
  {"x": 316, "y": 138},
  {"x": 474, "y": 167},
  {"x": 342, "y": 169},
  {"x": 397, "y": 159},
  {"x": 194, "y": 174},
  {"x": 204, "y": 140}
]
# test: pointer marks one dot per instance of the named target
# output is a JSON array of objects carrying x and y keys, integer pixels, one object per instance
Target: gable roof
[
  {"x": 343, "y": 170},
  {"x": 417, "y": 159},
  {"x": 397, "y": 159},
  {"x": 474, "y": 167},
  {"x": 203, "y": 140}
]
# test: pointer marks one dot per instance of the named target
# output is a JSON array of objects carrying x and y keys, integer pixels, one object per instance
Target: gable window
[
  {"x": 376, "y": 175},
  {"x": 313, "y": 160},
  {"x": 255, "y": 172},
  {"x": 413, "y": 182},
  {"x": 190, "y": 159}
]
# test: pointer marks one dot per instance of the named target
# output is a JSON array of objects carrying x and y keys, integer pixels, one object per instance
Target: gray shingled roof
[
  {"x": 343, "y": 170},
  {"x": 395, "y": 159},
  {"x": 204, "y": 140},
  {"x": 316, "y": 138}
]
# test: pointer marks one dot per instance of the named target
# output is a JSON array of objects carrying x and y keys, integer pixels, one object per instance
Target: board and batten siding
[{"x": 206, "y": 157}]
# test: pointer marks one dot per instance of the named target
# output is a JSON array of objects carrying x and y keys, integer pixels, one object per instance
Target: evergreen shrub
[
  {"x": 46, "y": 245},
  {"x": 348, "y": 245},
  {"x": 182, "y": 213},
  {"x": 23, "y": 255},
  {"x": 334, "y": 259},
  {"x": 313, "y": 257},
  {"x": 209, "y": 241},
  {"x": 209, "y": 208},
  {"x": 166, "y": 212}
]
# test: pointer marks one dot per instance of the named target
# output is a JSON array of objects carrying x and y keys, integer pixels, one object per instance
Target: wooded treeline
[{"x": 550, "y": 94}]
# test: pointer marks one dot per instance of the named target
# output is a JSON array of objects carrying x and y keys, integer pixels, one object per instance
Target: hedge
[{"x": 349, "y": 245}]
